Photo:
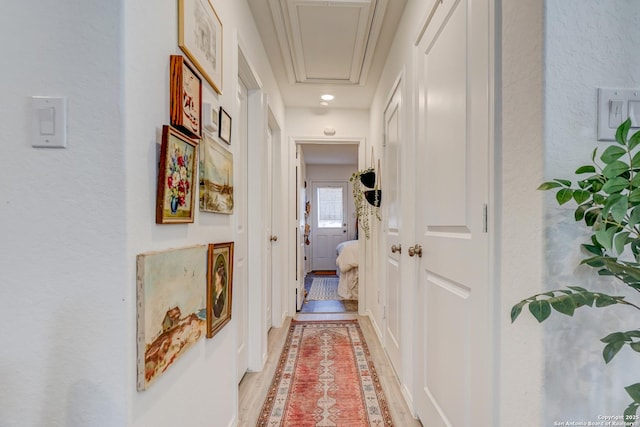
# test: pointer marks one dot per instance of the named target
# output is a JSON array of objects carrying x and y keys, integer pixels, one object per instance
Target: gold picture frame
[
  {"x": 200, "y": 38},
  {"x": 176, "y": 178},
  {"x": 219, "y": 286}
]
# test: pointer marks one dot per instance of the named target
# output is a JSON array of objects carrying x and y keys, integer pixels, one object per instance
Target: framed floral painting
[
  {"x": 219, "y": 286},
  {"x": 200, "y": 38},
  {"x": 176, "y": 176},
  {"x": 185, "y": 97},
  {"x": 216, "y": 177}
]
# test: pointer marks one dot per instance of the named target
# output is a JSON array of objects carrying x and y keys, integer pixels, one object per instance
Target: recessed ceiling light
[
  {"x": 327, "y": 97},
  {"x": 324, "y": 103}
]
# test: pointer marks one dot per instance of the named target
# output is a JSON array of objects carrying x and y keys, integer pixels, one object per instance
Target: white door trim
[{"x": 293, "y": 191}]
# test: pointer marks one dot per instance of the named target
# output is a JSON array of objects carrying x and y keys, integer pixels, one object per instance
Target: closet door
[{"x": 455, "y": 350}]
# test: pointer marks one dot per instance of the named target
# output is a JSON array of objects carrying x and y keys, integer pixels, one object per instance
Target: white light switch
[
  {"x": 49, "y": 122},
  {"x": 614, "y": 107}
]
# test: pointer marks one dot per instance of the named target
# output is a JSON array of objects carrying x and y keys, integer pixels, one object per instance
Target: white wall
[
  {"x": 64, "y": 291},
  {"x": 202, "y": 386},
  {"x": 73, "y": 220},
  {"x": 588, "y": 44},
  {"x": 519, "y": 164}
]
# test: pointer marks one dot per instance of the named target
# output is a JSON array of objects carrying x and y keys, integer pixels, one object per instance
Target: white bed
[{"x": 347, "y": 263}]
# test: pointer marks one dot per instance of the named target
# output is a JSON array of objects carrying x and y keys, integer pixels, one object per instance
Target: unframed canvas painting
[{"x": 171, "y": 308}]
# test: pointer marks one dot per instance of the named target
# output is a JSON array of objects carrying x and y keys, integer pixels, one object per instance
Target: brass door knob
[
  {"x": 274, "y": 238},
  {"x": 397, "y": 248},
  {"x": 415, "y": 250}
]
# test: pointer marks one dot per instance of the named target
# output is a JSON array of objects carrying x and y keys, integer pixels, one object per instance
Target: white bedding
[{"x": 347, "y": 263}]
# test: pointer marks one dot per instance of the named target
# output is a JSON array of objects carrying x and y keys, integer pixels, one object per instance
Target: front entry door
[
  {"x": 329, "y": 223},
  {"x": 454, "y": 358}
]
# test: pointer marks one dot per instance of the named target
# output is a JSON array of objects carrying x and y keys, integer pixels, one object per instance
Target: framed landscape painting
[
  {"x": 171, "y": 308},
  {"x": 219, "y": 286},
  {"x": 216, "y": 177},
  {"x": 176, "y": 178},
  {"x": 200, "y": 38},
  {"x": 185, "y": 100}
]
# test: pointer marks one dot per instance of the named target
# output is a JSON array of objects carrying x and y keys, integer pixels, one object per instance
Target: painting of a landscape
[
  {"x": 216, "y": 177},
  {"x": 171, "y": 308}
]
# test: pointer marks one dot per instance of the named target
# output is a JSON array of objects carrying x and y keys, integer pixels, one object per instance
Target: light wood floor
[{"x": 254, "y": 385}]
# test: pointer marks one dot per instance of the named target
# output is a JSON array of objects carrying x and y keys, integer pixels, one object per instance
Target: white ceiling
[{"x": 319, "y": 46}]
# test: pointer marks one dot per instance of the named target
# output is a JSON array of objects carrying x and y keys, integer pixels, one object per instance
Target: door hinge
[{"x": 485, "y": 218}]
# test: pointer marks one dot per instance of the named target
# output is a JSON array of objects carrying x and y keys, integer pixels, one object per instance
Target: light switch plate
[
  {"x": 48, "y": 122},
  {"x": 613, "y": 109}
]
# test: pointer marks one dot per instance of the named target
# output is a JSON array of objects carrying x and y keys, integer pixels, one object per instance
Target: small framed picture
[
  {"x": 185, "y": 93},
  {"x": 224, "y": 131},
  {"x": 219, "y": 286},
  {"x": 176, "y": 178}
]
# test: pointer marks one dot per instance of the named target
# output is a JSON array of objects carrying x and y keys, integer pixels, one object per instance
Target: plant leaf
[
  {"x": 615, "y": 185},
  {"x": 634, "y": 392},
  {"x": 549, "y": 185},
  {"x": 631, "y": 411},
  {"x": 586, "y": 169},
  {"x": 634, "y": 140},
  {"x": 619, "y": 241},
  {"x": 634, "y": 196},
  {"x": 540, "y": 309},
  {"x": 605, "y": 236},
  {"x": 611, "y": 349},
  {"x": 613, "y": 337},
  {"x": 613, "y": 152},
  {"x": 564, "y": 304},
  {"x": 564, "y": 182},
  {"x": 623, "y": 131},
  {"x": 635, "y": 346},
  {"x": 605, "y": 300},
  {"x": 616, "y": 205},
  {"x": 581, "y": 196},
  {"x": 615, "y": 168},
  {"x": 516, "y": 310},
  {"x": 564, "y": 195}
]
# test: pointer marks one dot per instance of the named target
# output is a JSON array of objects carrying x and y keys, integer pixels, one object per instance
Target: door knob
[
  {"x": 397, "y": 248},
  {"x": 415, "y": 250},
  {"x": 274, "y": 238}
]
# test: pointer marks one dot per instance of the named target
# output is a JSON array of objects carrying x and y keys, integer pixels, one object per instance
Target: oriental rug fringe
[{"x": 325, "y": 377}]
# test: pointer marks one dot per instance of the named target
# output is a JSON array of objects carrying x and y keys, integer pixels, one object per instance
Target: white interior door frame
[
  {"x": 256, "y": 252},
  {"x": 297, "y": 283}
]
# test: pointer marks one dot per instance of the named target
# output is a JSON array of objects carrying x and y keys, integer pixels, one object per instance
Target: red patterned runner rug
[{"x": 325, "y": 377}]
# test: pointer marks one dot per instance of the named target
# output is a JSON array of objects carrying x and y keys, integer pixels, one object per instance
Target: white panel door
[
  {"x": 393, "y": 250},
  {"x": 269, "y": 232},
  {"x": 329, "y": 223},
  {"x": 454, "y": 356},
  {"x": 240, "y": 279}
]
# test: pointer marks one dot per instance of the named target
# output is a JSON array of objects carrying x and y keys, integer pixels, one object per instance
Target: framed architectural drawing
[
  {"x": 185, "y": 90},
  {"x": 176, "y": 178},
  {"x": 216, "y": 177},
  {"x": 171, "y": 308},
  {"x": 219, "y": 286},
  {"x": 200, "y": 38}
]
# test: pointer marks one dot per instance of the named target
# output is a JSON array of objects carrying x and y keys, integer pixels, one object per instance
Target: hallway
[{"x": 254, "y": 385}]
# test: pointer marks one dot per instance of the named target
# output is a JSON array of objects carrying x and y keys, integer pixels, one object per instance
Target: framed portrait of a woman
[{"x": 219, "y": 286}]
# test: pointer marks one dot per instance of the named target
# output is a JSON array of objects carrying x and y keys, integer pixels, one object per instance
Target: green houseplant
[
  {"x": 364, "y": 208},
  {"x": 607, "y": 194}
]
